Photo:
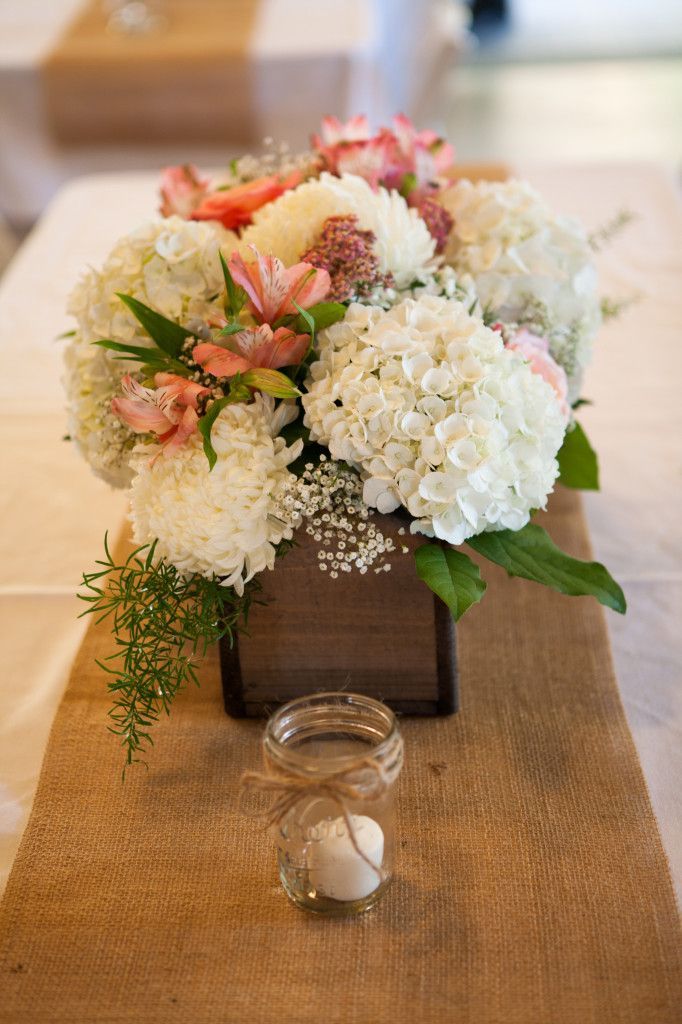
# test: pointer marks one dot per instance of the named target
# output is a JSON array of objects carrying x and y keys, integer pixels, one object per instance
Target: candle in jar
[{"x": 336, "y": 869}]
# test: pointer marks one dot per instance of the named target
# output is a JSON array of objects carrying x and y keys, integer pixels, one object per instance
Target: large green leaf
[
  {"x": 324, "y": 314},
  {"x": 532, "y": 554},
  {"x": 168, "y": 335},
  {"x": 451, "y": 575},
  {"x": 578, "y": 465},
  {"x": 151, "y": 357}
]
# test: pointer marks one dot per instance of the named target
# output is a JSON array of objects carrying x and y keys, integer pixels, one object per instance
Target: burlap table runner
[
  {"x": 190, "y": 82},
  {"x": 531, "y": 887}
]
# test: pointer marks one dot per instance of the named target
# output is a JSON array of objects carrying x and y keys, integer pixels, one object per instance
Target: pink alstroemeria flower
[
  {"x": 273, "y": 288},
  {"x": 182, "y": 189},
  {"x": 535, "y": 350},
  {"x": 169, "y": 411},
  {"x": 334, "y": 132},
  {"x": 234, "y": 207},
  {"x": 349, "y": 149},
  {"x": 388, "y": 158},
  {"x": 423, "y": 154},
  {"x": 257, "y": 347}
]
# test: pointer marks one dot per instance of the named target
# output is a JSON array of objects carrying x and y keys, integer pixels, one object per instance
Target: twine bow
[{"x": 365, "y": 780}]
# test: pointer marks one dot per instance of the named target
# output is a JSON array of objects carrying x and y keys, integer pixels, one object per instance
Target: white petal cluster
[
  {"x": 224, "y": 522},
  {"x": 290, "y": 225},
  {"x": 439, "y": 416},
  {"x": 171, "y": 265},
  {"x": 529, "y": 265}
]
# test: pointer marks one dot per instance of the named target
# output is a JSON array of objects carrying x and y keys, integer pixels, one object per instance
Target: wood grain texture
[{"x": 381, "y": 633}]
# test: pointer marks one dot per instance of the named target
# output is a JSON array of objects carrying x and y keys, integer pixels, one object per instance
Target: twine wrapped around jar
[{"x": 365, "y": 780}]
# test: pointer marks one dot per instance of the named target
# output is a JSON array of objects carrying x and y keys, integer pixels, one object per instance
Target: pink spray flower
[
  {"x": 349, "y": 149},
  {"x": 185, "y": 193},
  {"x": 257, "y": 347},
  {"x": 535, "y": 350},
  {"x": 334, "y": 133},
  {"x": 423, "y": 154},
  {"x": 273, "y": 288},
  {"x": 182, "y": 190},
  {"x": 394, "y": 157},
  {"x": 234, "y": 207},
  {"x": 169, "y": 410}
]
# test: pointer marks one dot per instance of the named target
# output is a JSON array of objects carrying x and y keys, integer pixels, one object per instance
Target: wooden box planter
[{"x": 382, "y": 633}]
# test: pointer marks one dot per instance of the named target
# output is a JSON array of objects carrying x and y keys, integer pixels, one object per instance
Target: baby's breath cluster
[
  {"x": 276, "y": 158},
  {"x": 328, "y": 498}
]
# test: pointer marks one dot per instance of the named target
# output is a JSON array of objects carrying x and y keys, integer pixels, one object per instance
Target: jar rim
[{"x": 276, "y": 744}]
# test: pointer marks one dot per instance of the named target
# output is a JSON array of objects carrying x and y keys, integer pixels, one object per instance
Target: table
[
  {"x": 55, "y": 513},
  {"x": 333, "y": 58}
]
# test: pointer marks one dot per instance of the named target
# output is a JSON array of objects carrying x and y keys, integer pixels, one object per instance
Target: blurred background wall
[
  {"x": 580, "y": 80},
  {"x": 588, "y": 80}
]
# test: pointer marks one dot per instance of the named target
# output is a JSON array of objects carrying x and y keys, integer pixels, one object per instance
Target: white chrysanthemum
[
  {"x": 439, "y": 416},
  {"x": 291, "y": 225},
  {"x": 529, "y": 265},
  {"x": 223, "y": 522},
  {"x": 171, "y": 265}
]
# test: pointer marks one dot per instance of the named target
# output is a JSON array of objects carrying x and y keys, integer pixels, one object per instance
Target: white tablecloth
[
  {"x": 322, "y": 56},
  {"x": 55, "y": 513}
]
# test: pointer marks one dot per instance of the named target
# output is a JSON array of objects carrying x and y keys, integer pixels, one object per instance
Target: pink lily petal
[
  {"x": 138, "y": 408},
  {"x": 140, "y": 416},
  {"x": 174, "y": 389},
  {"x": 184, "y": 430},
  {"x": 283, "y": 349},
  {"x": 263, "y": 280},
  {"x": 182, "y": 189},
  {"x": 234, "y": 207},
  {"x": 266, "y": 350},
  {"x": 273, "y": 288},
  {"x": 220, "y": 361},
  {"x": 305, "y": 288}
]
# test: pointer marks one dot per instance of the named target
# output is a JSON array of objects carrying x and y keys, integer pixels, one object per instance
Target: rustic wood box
[{"x": 383, "y": 634}]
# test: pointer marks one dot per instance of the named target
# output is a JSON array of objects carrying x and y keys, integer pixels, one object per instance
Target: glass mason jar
[{"x": 341, "y": 754}]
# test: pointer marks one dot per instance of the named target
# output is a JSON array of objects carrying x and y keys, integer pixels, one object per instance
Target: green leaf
[
  {"x": 235, "y": 297},
  {"x": 305, "y": 316},
  {"x": 163, "y": 622},
  {"x": 169, "y": 336},
  {"x": 206, "y": 425},
  {"x": 531, "y": 554},
  {"x": 581, "y": 401},
  {"x": 272, "y": 382},
  {"x": 233, "y": 328},
  {"x": 451, "y": 575},
  {"x": 295, "y": 431},
  {"x": 409, "y": 183},
  {"x": 152, "y": 357},
  {"x": 324, "y": 314},
  {"x": 578, "y": 465}
]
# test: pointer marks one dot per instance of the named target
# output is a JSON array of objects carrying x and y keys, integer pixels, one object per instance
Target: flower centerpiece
[{"x": 316, "y": 343}]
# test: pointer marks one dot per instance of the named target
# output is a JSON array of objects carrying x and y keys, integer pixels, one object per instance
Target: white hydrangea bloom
[
  {"x": 438, "y": 415},
  {"x": 226, "y": 521},
  {"x": 529, "y": 265},
  {"x": 171, "y": 265},
  {"x": 290, "y": 225}
]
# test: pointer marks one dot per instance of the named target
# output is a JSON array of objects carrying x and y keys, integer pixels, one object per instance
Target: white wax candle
[{"x": 336, "y": 868}]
